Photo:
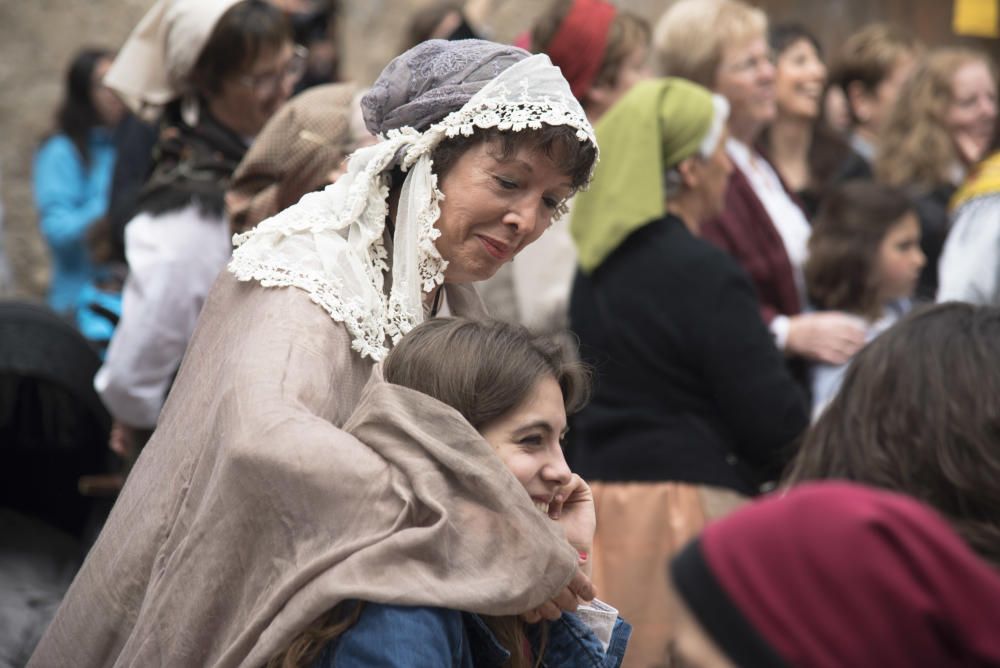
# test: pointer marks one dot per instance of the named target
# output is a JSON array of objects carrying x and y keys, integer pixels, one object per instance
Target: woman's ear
[
  {"x": 859, "y": 101},
  {"x": 690, "y": 171}
]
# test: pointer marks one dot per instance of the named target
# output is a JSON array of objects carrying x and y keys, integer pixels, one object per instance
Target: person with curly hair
[{"x": 940, "y": 127}]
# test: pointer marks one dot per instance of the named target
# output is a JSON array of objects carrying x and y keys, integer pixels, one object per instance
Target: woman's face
[
  {"x": 246, "y": 101},
  {"x": 972, "y": 113},
  {"x": 494, "y": 207},
  {"x": 528, "y": 439},
  {"x": 800, "y": 77},
  {"x": 633, "y": 69},
  {"x": 746, "y": 78},
  {"x": 109, "y": 108},
  {"x": 900, "y": 259}
]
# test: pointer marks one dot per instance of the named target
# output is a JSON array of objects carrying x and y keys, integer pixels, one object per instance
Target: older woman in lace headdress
[{"x": 252, "y": 510}]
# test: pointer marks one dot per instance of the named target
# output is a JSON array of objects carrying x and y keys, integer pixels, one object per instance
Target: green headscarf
[{"x": 656, "y": 125}]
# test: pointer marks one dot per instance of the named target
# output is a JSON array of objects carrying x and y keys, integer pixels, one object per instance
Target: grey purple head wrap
[{"x": 433, "y": 79}]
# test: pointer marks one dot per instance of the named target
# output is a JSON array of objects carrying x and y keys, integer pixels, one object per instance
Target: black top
[
  {"x": 689, "y": 386},
  {"x": 932, "y": 212}
]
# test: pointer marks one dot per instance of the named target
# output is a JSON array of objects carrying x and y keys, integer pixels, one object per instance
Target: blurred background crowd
[{"x": 847, "y": 177}]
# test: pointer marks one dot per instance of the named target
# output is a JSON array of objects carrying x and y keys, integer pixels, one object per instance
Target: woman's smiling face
[
  {"x": 494, "y": 206},
  {"x": 528, "y": 439}
]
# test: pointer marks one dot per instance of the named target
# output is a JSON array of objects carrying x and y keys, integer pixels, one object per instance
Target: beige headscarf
[
  {"x": 152, "y": 67},
  {"x": 304, "y": 141}
]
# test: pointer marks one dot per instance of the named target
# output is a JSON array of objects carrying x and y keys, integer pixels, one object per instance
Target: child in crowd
[{"x": 864, "y": 259}]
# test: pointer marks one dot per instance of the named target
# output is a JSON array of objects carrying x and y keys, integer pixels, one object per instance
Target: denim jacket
[{"x": 424, "y": 637}]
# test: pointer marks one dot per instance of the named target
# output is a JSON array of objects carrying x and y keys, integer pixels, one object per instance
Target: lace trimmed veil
[{"x": 331, "y": 245}]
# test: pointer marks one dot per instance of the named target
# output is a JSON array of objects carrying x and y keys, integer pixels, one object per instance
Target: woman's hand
[
  {"x": 831, "y": 337},
  {"x": 122, "y": 440},
  {"x": 573, "y": 508},
  {"x": 580, "y": 588}
]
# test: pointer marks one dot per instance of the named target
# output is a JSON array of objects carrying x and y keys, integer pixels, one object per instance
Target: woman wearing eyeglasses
[
  {"x": 722, "y": 44},
  {"x": 216, "y": 70}
]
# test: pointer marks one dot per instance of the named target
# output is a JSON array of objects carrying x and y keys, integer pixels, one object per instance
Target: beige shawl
[{"x": 250, "y": 512}]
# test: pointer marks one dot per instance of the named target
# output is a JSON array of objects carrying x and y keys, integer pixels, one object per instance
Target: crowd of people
[{"x": 409, "y": 375}]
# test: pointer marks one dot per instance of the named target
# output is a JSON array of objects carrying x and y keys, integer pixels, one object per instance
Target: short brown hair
[
  {"x": 690, "y": 36},
  {"x": 559, "y": 142},
  {"x": 246, "y": 30},
  {"x": 626, "y": 33},
  {"x": 483, "y": 369},
  {"x": 843, "y": 248},
  {"x": 869, "y": 56},
  {"x": 917, "y": 413}
]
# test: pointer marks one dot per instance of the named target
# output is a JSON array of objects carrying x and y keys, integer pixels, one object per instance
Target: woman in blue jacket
[
  {"x": 515, "y": 389},
  {"x": 72, "y": 174}
]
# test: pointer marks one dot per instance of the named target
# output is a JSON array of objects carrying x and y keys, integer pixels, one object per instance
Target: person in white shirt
[{"x": 219, "y": 70}]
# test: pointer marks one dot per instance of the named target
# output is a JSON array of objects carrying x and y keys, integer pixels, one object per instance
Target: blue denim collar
[{"x": 487, "y": 652}]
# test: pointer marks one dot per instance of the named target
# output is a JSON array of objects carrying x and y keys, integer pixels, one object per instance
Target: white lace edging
[{"x": 330, "y": 244}]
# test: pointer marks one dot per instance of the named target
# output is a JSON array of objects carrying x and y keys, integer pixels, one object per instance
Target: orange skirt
[{"x": 640, "y": 526}]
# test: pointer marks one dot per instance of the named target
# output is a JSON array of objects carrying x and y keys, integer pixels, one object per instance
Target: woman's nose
[
  {"x": 557, "y": 470},
  {"x": 523, "y": 217}
]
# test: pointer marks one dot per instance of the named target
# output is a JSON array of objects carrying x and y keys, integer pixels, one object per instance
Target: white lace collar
[{"x": 330, "y": 243}]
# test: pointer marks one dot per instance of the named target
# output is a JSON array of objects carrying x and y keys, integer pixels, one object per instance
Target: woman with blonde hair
[
  {"x": 942, "y": 124},
  {"x": 722, "y": 44}
]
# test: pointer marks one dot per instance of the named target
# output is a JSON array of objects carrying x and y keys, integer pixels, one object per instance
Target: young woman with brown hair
[{"x": 516, "y": 390}]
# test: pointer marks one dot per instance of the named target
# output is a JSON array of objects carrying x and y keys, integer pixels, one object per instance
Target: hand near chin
[
  {"x": 579, "y": 590},
  {"x": 573, "y": 508}
]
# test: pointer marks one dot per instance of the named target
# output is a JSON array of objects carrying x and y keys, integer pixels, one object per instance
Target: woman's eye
[
  {"x": 551, "y": 202},
  {"x": 533, "y": 439},
  {"x": 506, "y": 184}
]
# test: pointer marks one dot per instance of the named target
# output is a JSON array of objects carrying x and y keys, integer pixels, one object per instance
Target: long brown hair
[
  {"x": 918, "y": 413},
  {"x": 842, "y": 270},
  {"x": 483, "y": 369}
]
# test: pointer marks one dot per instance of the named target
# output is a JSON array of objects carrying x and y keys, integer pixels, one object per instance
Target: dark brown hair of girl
[
  {"x": 483, "y": 368},
  {"x": 918, "y": 414},
  {"x": 245, "y": 31},
  {"x": 842, "y": 270}
]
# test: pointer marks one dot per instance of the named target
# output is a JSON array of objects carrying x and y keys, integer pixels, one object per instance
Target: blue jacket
[
  {"x": 392, "y": 636},
  {"x": 70, "y": 197}
]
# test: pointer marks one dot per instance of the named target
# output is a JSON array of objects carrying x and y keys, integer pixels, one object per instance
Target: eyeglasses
[
  {"x": 264, "y": 85},
  {"x": 752, "y": 63}
]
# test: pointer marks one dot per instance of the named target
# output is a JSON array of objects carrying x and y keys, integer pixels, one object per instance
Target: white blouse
[
  {"x": 173, "y": 260},
  {"x": 785, "y": 214}
]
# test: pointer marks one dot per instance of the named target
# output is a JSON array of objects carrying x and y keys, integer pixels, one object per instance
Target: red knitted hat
[
  {"x": 835, "y": 574},
  {"x": 578, "y": 46}
]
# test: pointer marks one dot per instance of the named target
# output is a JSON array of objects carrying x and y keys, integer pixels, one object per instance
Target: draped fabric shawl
[{"x": 250, "y": 512}]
